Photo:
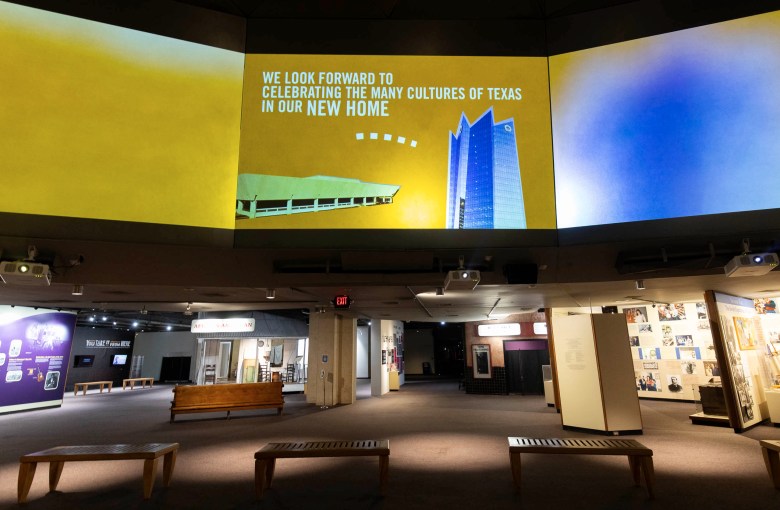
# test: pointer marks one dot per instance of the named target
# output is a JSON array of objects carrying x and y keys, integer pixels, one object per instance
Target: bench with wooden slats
[
  {"x": 265, "y": 458},
  {"x": 640, "y": 458},
  {"x": 770, "y": 449},
  {"x": 133, "y": 380},
  {"x": 57, "y": 456},
  {"x": 227, "y": 397},
  {"x": 84, "y": 385}
]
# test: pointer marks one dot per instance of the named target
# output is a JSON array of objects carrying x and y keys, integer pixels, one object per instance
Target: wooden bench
[
  {"x": 227, "y": 397},
  {"x": 84, "y": 385},
  {"x": 640, "y": 458},
  {"x": 770, "y": 450},
  {"x": 132, "y": 380},
  {"x": 149, "y": 453},
  {"x": 265, "y": 458}
]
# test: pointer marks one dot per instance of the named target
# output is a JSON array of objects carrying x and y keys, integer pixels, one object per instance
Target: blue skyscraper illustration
[{"x": 484, "y": 187}]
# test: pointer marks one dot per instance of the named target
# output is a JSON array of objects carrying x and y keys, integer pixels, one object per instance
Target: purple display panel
[{"x": 34, "y": 352}]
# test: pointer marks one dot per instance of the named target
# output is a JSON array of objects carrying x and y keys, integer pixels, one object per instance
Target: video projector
[
  {"x": 25, "y": 273},
  {"x": 461, "y": 279},
  {"x": 751, "y": 264}
]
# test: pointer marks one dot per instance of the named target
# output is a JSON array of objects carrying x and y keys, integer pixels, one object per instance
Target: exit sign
[{"x": 342, "y": 302}]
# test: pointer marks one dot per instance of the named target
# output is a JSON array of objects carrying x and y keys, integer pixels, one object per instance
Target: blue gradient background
[{"x": 680, "y": 124}]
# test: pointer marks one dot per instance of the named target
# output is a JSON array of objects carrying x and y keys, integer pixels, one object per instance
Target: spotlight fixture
[
  {"x": 144, "y": 311},
  {"x": 188, "y": 310},
  {"x": 270, "y": 294},
  {"x": 640, "y": 284},
  {"x": 439, "y": 291},
  {"x": 78, "y": 290}
]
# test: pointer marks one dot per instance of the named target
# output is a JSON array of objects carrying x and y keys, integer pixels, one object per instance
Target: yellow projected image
[
  {"x": 109, "y": 123},
  {"x": 395, "y": 142}
]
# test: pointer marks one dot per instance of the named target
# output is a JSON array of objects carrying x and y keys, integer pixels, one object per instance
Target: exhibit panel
[
  {"x": 577, "y": 372},
  {"x": 741, "y": 351},
  {"x": 672, "y": 350},
  {"x": 621, "y": 405},
  {"x": 593, "y": 372},
  {"x": 35, "y": 346}
]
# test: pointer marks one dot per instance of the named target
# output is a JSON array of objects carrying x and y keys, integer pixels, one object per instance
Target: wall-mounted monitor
[
  {"x": 83, "y": 360},
  {"x": 119, "y": 359}
]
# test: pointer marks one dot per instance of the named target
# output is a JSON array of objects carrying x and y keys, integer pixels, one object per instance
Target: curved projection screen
[
  {"x": 680, "y": 124},
  {"x": 104, "y": 122},
  {"x": 395, "y": 142}
]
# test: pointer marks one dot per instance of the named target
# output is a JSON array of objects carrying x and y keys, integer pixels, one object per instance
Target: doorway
[
  {"x": 175, "y": 369},
  {"x": 523, "y": 360}
]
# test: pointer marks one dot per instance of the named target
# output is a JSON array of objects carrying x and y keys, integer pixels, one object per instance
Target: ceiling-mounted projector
[
  {"x": 751, "y": 264},
  {"x": 461, "y": 279},
  {"x": 25, "y": 273}
]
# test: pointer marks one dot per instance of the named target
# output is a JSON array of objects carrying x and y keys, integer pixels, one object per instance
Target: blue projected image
[
  {"x": 681, "y": 124},
  {"x": 484, "y": 188}
]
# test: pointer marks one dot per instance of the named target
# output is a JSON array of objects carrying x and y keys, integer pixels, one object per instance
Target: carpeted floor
[{"x": 447, "y": 450}]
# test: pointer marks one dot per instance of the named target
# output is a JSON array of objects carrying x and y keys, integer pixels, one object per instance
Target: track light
[
  {"x": 78, "y": 290},
  {"x": 439, "y": 291},
  {"x": 270, "y": 294},
  {"x": 640, "y": 285},
  {"x": 188, "y": 310}
]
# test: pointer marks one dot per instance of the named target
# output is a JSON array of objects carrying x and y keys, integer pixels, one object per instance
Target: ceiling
[
  {"x": 403, "y": 9},
  {"x": 154, "y": 284}
]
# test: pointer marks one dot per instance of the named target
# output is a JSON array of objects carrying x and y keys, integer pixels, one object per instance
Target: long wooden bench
[
  {"x": 132, "y": 380},
  {"x": 58, "y": 456},
  {"x": 640, "y": 458},
  {"x": 84, "y": 385},
  {"x": 770, "y": 449},
  {"x": 226, "y": 397},
  {"x": 265, "y": 458}
]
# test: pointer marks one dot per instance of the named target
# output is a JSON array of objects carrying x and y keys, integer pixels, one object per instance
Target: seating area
[
  {"x": 58, "y": 456},
  {"x": 83, "y": 386},
  {"x": 770, "y": 450},
  {"x": 265, "y": 458},
  {"x": 143, "y": 381},
  {"x": 226, "y": 397},
  {"x": 640, "y": 458},
  {"x": 449, "y": 451}
]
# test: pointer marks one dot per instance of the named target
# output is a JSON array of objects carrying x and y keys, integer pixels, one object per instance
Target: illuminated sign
[
  {"x": 222, "y": 325},
  {"x": 509, "y": 329},
  {"x": 342, "y": 302}
]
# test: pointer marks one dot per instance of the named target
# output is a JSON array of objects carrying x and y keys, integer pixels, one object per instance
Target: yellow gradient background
[
  {"x": 294, "y": 144},
  {"x": 109, "y": 123}
]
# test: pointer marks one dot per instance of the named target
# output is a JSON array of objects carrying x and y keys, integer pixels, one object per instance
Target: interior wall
[
  {"x": 154, "y": 346},
  {"x": 362, "y": 356},
  {"x": 418, "y": 349},
  {"x": 102, "y": 344}
]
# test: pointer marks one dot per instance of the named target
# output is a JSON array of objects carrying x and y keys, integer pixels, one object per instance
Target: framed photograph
[
  {"x": 746, "y": 334},
  {"x": 636, "y": 315},
  {"x": 684, "y": 340},
  {"x": 671, "y": 312},
  {"x": 481, "y": 360}
]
